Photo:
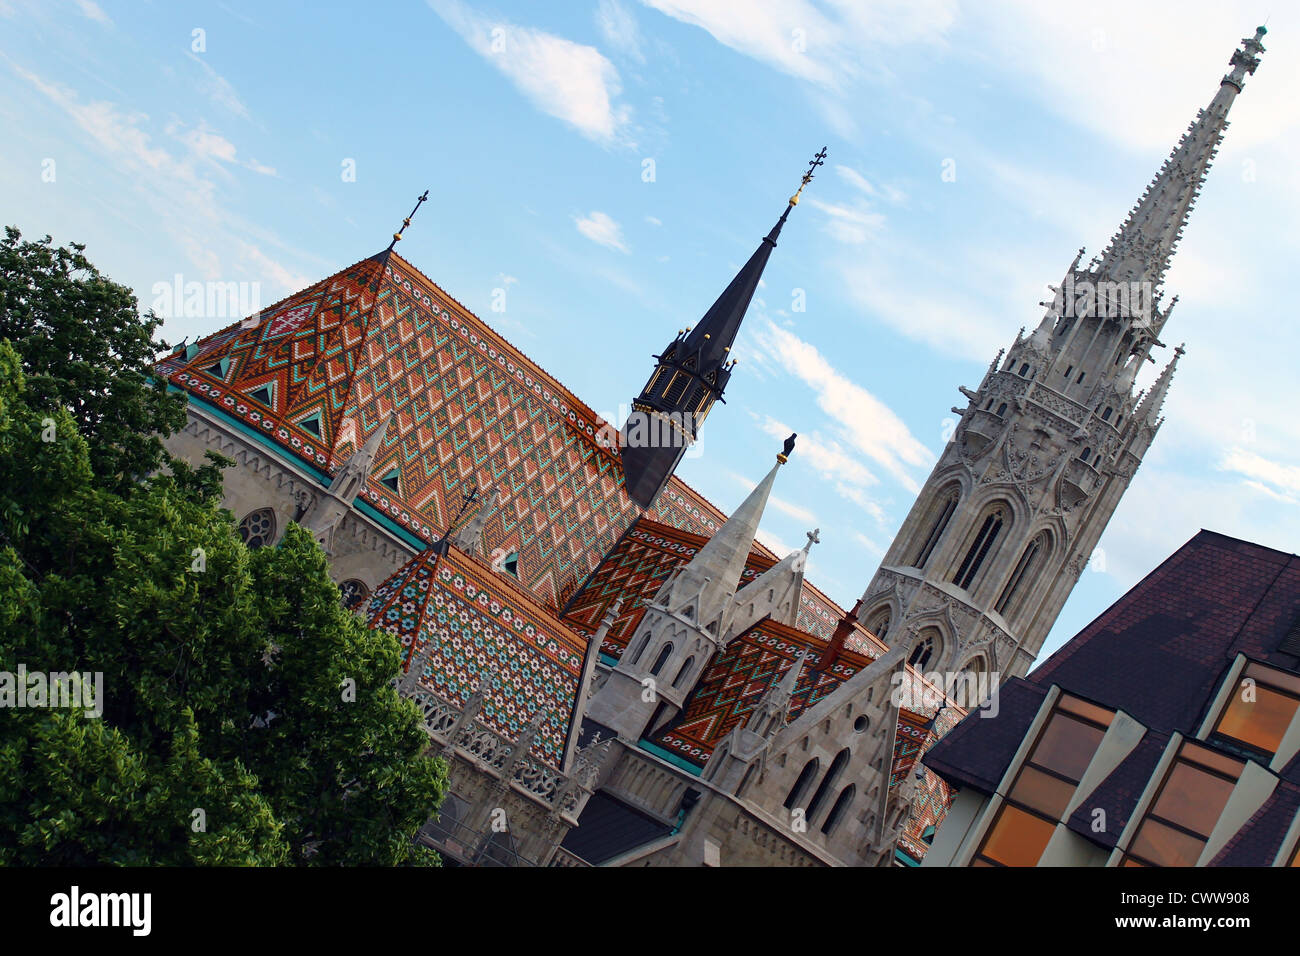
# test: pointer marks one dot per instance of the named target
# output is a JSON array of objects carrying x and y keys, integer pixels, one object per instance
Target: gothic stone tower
[{"x": 1047, "y": 443}]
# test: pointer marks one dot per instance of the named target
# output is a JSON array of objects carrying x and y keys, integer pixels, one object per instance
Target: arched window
[
  {"x": 1024, "y": 370},
  {"x": 1105, "y": 416},
  {"x": 923, "y": 649},
  {"x": 1002, "y": 409},
  {"x": 1029, "y": 561},
  {"x": 662, "y": 659},
  {"x": 257, "y": 530},
  {"x": 353, "y": 592},
  {"x": 829, "y": 781},
  {"x": 840, "y": 807},
  {"x": 682, "y": 674},
  {"x": 1087, "y": 453},
  {"x": 980, "y": 547},
  {"x": 879, "y": 623},
  {"x": 800, "y": 788},
  {"x": 940, "y": 514}
]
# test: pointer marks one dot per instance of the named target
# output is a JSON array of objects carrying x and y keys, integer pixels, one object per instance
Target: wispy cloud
[
  {"x": 828, "y": 44},
  {"x": 176, "y": 183},
  {"x": 780, "y": 504},
  {"x": 220, "y": 90},
  {"x": 850, "y": 224},
  {"x": 860, "y": 420},
  {"x": 571, "y": 81},
  {"x": 601, "y": 229},
  {"x": 93, "y": 11},
  {"x": 1276, "y": 479},
  {"x": 619, "y": 28}
]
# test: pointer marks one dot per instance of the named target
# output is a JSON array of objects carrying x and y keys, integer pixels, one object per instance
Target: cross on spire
[
  {"x": 817, "y": 160},
  {"x": 397, "y": 236}
]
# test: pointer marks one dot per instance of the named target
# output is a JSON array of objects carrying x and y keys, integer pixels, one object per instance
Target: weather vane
[
  {"x": 818, "y": 160},
  {"x": 407, "y": 221}
]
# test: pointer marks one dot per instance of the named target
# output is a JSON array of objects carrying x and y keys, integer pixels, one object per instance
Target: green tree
[{"x": 226, "y": 734}]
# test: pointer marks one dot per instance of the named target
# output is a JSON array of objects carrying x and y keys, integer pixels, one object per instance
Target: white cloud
[
  {"x": 218, "y": 89},
  {"x": 601, "y": 229},
  {"x": 859, "y": 182},
  {"x": 867, "y": 424},
  {"x": 829, "y": 43},
  {"x": 619, "y": 28},
  {"x": 93, "y": 11},
  {"x": 567, "y": 80},
  {"x": 1280, "y": 480},
  {"x": 655, "y": 221},
  {"x": 850, "y": 224}
]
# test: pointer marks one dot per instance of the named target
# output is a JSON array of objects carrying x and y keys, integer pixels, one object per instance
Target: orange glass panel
[
  {"x": 1042, "y": 792},
  {"x": 1211, "y": 758},
  {"x": 1017, "y": 838},
  {"x": 1261, "y": 722},
  {"x": 1193, "y": 798},
  {"x": 1269, "y": 675},
  {"x": 1165, "y": 846},
  {"x": 1084, "y": 709},
  {"x": 1295, "y": 857},
  {"x": 1066, "y": 746},
  {"x": 1129, "y": 861}
]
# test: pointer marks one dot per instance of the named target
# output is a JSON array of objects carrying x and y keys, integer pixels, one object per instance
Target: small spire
[
  {"x": 1149, "y": 410},
  {"x": 1246, "y": 60},
  {"x": 397, "y": 236}
]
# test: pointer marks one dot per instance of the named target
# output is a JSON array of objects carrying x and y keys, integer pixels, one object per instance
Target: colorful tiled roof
[
  {"x": 734, "y": 682},
  {"x": 478, "y": 625},
  {"x": 644, "y": 559},
  {"x": 316, "y": 374}
]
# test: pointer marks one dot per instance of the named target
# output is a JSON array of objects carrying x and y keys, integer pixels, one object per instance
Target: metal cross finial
[
  {"x": 818, "y": 160},
  {"x": 407, "y": 221},
  {"x": 814, "y": 537}
]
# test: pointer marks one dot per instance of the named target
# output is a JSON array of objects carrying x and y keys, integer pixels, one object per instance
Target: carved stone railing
[
  {"x": 564, "y": 858},
  {"x": 460, "y": 731}
]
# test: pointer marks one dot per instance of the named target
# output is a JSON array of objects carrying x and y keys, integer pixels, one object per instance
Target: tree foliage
[{"x": 247, "y": 717}]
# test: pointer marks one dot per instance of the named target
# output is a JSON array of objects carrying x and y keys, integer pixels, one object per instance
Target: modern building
[{"x": 1167, "y": 733}]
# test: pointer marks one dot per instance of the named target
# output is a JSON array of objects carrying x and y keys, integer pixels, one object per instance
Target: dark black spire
[{"x": 691, "y": 375}]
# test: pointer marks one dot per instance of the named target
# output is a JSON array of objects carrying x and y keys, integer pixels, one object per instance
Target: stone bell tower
[{"x": 1048, "y": 442}]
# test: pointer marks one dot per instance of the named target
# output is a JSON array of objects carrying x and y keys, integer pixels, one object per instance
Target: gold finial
[
  {"x": 397, "y": 236},
  {"x": 816, "y": 161}
]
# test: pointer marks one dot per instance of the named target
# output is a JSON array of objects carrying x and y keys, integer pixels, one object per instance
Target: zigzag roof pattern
[
  {"x": 316, "y": 373},
  {"x": 464, "y": 625}
]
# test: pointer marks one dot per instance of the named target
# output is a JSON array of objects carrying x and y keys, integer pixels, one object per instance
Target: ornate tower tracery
[{"x": 1049, "y": 441}]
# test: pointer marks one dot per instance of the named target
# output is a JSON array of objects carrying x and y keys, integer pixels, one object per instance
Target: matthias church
[{"x": 616, "y": 671}]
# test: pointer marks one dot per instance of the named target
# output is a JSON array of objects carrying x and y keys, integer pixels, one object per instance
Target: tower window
[
  {"x": 684, "y": 672},
  {"x": 879, "y": 625},
  {"x": 937, "y": 528},
  {"x": 979, "y": 549},
  {"x": 1069, "y": 370},
  {"x": 1079, "y": 380},
  {"x": 662, "y": 659},
  {"x": 1002, "y": 409},
  {"x": 1036, "y": 547},
  {"x": 1087, "y": 453},
  {"x": 257, "y": 530},
  {"x": 922, "y": 652},
  {"x": 1024, "y": 370},
  {"x": 676, "y": 388},
  {"x": 1105, "y": 416}
]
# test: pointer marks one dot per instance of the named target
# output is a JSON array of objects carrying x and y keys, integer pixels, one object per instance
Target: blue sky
[{"x": 533, "y": 127}]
